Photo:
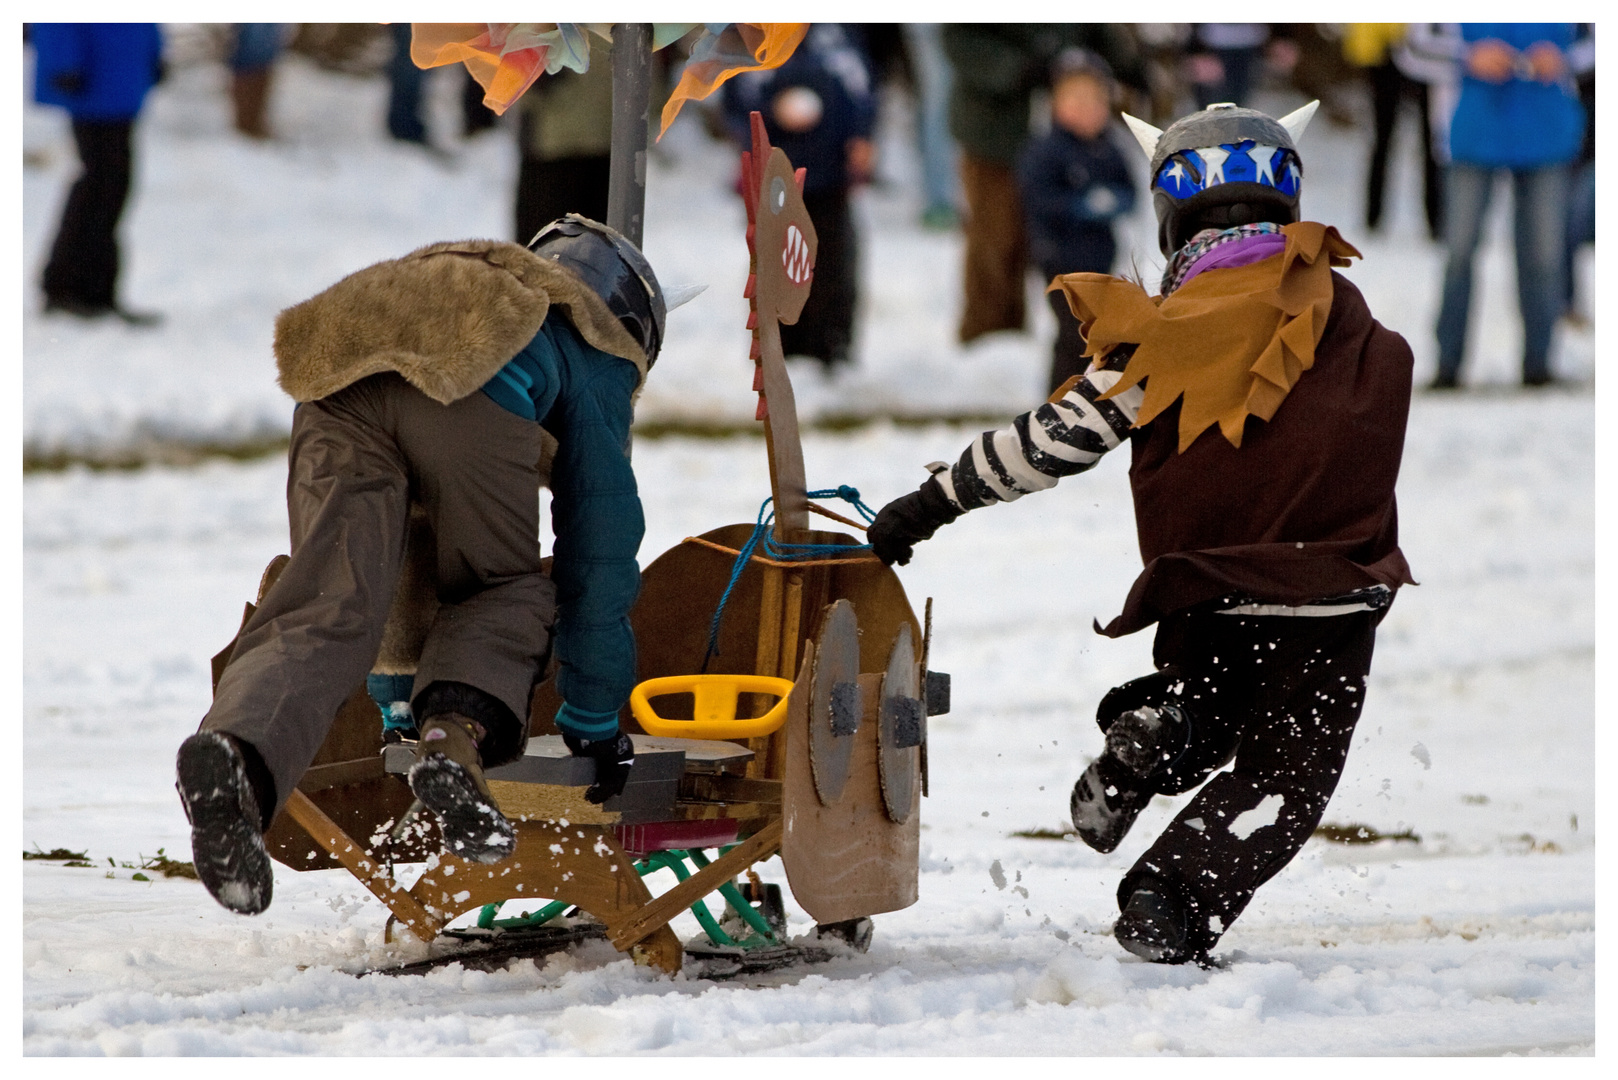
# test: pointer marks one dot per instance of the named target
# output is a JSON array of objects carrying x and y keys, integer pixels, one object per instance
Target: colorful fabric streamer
[
  {"x": 506, "y": 58},
  {"x": 728, "y": 49}
]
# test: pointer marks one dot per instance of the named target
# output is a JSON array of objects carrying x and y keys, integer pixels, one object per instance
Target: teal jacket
[{"x": 583, "y": 398}]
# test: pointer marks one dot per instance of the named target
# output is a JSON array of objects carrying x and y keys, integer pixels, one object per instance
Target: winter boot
[
  {"x": 1154, "y": 924},
  {"x": 448, "y": 779},
  {"x": 227, "y": 840},
  {"x": 1106, "y": 801},
  {"x": 1146, "y": 738}
]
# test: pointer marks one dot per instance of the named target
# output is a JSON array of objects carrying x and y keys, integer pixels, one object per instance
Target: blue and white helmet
[{"x": 1222, "y": 167}]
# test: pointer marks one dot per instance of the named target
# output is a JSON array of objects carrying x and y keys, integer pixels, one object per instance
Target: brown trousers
[
  {"x": 996, "y": 250},
  {"x": 359, "y": 459}
]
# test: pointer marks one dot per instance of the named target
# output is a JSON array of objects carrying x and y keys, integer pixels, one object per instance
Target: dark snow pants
[
  {"x": 83, "y": 267},
  {"x": 1281, "y": 696},
  {"x": 358, "y": 459},
  {"x": 996, "y": 253}
]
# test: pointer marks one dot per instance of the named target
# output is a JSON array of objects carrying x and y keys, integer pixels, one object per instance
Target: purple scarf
[{"x": 1222, "y": 249}]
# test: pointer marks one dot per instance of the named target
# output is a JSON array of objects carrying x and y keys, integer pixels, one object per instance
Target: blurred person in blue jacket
[
  {"x": 1519, "y": 113},
  {"x": 437, "y": 394},
  {"x": 1074, "y": 184},
  {"x": 100, "y": 73},
  {"x": 819, "y": 108}
]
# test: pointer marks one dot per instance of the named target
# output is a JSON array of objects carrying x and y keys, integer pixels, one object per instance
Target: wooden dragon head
[{"x": 781, "y": 246}]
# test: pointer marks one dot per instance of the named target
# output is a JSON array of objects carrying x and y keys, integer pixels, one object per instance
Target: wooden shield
[
  {"x": 834, "y": 701},
  {"x": 900, "y": 729}
]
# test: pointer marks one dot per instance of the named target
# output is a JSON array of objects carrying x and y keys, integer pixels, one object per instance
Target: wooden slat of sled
[
  {"x": 849, "y": 859},
  {"x": 345, "y": 850},
  {"x": 656, "y": 915}
]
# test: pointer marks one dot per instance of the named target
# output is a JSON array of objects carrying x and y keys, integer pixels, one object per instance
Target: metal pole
[{"x": 631, "y": 102}]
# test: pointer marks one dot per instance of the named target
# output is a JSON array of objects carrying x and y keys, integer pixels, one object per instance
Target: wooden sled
[{"x": 835, "y": 790}]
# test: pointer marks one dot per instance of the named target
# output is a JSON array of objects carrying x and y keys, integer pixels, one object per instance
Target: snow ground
[{"x": 1478, "y": 734}]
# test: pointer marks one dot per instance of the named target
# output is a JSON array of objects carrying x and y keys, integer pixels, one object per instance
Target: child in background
[
  {"x": 819, "y": 108},
  {"x": 1073, "y": 183}
]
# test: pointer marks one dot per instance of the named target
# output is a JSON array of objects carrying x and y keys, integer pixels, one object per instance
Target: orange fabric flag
[
  {"x": 1231, "y": 343},
  {"x": 504, "y": 58},
  {"x": 740, "y": 47}
]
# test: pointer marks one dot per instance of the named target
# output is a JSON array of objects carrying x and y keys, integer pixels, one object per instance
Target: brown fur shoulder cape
[
  {"x": 1227, "y": 345},
  {"x": 446, "y": 317}
]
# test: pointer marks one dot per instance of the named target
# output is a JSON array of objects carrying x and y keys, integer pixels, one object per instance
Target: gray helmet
[
  {"x": 1222, "y": 167},
  {"x": 614, "y": 269}
]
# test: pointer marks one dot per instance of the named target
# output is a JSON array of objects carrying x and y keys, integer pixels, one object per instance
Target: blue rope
[{"x": 782, "y": 552}]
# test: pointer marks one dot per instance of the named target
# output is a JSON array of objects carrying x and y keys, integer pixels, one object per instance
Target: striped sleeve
[{"x": 1060, "y": 438}]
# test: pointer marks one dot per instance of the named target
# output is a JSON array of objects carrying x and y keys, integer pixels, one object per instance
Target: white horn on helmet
[
  {"x": 1144, "y": 133},
  {"x": 676, "y": 295},
  {"x": 1296, "y": 121}
]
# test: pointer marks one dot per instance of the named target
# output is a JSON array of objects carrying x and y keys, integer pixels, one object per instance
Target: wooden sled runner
[{"x": 803, "y": 733}]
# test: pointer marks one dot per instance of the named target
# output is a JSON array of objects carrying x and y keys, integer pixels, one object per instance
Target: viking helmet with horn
[{"x": 1222, "y": 167}]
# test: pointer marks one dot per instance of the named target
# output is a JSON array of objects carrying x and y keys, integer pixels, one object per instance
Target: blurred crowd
[{"x": 1017, "y": 130}]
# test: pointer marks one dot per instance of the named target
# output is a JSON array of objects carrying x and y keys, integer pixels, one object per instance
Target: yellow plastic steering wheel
[{"x": 714, "y": 708}]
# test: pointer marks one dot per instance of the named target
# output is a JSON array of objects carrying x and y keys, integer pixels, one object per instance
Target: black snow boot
[
  {"x": 1106, "y": 801},
  {"x": 1147, "y": 738},
  {"x": 227, "y": 840},
  {"x": 448, "y": 779},
  {"x": 1154, "y": 924}
]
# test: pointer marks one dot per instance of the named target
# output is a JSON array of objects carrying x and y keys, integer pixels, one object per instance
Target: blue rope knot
[{"x": 762, "y": 531}]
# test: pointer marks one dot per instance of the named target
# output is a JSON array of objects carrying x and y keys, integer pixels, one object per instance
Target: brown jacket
[
  {"x": 446, "y": 317},
  {"x": 1304, "y": 509}
]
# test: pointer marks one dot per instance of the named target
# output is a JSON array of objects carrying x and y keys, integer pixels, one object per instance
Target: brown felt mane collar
[{"x": 1229, "y": 344}]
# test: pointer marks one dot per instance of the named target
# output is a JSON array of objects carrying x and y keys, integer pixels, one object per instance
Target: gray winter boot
[
  {"x": 227, "y": 840},
  {"x": 1145, "y": 738},
  {"x": 1106, "y": 801},
  {"x": 1111, "y": 793},
  {"x": 1153, "y": 924},
  {"x": 448, "y": 779}
]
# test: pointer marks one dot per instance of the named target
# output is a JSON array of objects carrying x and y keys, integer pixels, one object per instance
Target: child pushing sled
[{"x": 1265, "y": 410}]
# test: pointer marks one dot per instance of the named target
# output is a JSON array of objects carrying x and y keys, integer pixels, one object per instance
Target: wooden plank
[
  {"x": 338, "y": 773},
  {"x": 722, "y": 788},
  {"x": 346, "y": 850},
  {"x": 656, "y": 915}
]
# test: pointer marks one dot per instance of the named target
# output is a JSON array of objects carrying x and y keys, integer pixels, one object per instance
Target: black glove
[
  {"x": 70, "y": 83},
  {"x": 613, "y": 757},
  {"x": 908, "y": 520}
]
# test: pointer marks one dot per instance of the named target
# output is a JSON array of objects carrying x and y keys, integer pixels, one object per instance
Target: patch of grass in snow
[
  {"x": 1361, "y": 834},
  {"x": 155, "y": 450},
  {"x": 61, "y": 854},
  {"x": 150, "y": 451},
  {"x": 159, "y": 863},
  {"x": 1046, "y": 834},
  {"x": 836, "y": 423}
]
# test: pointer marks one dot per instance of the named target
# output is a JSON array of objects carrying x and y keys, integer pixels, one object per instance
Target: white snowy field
[{"x": 1478, "y": 735}]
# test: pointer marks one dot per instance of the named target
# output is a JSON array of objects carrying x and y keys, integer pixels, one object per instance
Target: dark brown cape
[{"x": 1304, "y": 508}]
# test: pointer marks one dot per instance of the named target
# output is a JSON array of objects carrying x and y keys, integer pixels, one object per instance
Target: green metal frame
[{"x": 675, "y": 860}]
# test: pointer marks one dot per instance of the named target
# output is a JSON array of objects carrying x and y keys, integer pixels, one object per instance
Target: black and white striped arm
[{"x": 1038, "y": 448}]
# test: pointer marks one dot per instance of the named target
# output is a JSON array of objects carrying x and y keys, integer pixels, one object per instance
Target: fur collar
[{"x": 446, "y": 317}]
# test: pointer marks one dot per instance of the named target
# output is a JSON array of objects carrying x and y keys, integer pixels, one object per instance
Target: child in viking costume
[
  {"x": 437, "y": 393},
  {"x": 1265, "y": 409}
]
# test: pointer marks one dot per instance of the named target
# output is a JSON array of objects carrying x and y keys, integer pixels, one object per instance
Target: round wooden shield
[
  {"x": 900, "y": 729},
  {"x": 834, "y": 700}
]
